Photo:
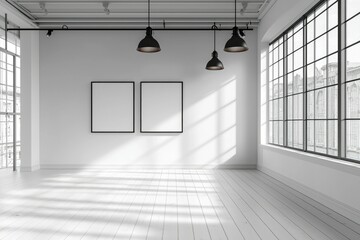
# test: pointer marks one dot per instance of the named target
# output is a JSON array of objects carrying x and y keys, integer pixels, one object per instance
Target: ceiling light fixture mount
[
  {"x": 49, "y": 32},
  {"x": 236, "y": 43},
  {"x": 214, "y": 63},
  {"x": 149, "y": 43}
]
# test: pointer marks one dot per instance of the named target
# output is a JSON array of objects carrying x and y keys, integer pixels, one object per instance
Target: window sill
[{"x": 339, "y": 164}]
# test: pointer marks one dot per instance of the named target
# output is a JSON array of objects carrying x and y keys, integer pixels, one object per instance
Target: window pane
[
  {"x": 290, "y": 83},
  {"x": 281, "y": 68},
  {"x": 298, "y": 81},
  {"x": 276, "y": 132},
  {"x": 353, "y": 99},
  {"x": 320, "y": 9},
  {"x": 276, "y": 109},
  {"x": 281, "y": 87},
  {"x": 352, "y": 8},
  {"x": 276, "y": 44},
  {"x": 310, "y": 31},
  {"x": 332, "y": 102},
  {"x": 310, "y": 105},
  {"x": 332, "y": 138},
  {"x": 276, "y": 55},
  {"x": 333, "y": 16},
  {"x": 298, "y": 107},
  {"x": 271, "y": 90},
  {"x": 332, "y": 69},
  {"x": 352, "y": 139},
  {"x": 10, "y": 101},
  {"x": 310, "y": 76},
  {"x": 353, "y": 62},
  {"x": 310, "y": 135},
  {"x": 298, "y": 27},
  {"x": 310, "y": 52},
  {"x": 298, "y": 134},
  {"x": 320, "y": 136},
  {"x": 290, "y": 33},
  {"x": 320, "y": 47},
  {"x": 333, "y": 41},
  {"x": 290, "y": 107},
  {"x": 271, "y": 132},
  {"x": 290, "y": 134},
  {"x": 352, "y": 31},
  {"x": 298, "y": 59},
  {"x": 320, "y": 104},
  {"x": 276, "y": 70},
  {"x": 3, "y": 154},
  {"x": 311, "y": 16},
  {"x": 320, "y": 73},
  {"x": 290, "y": 63},
  {"x": 290, "y": 45},
  {"x": 281, "y": 51},
  {"x": 281, "y": 109},
  {"x": 298, "y": 39},
  {"x": 320, "y": 24},
  {"x": 18, "y": 140},
  {"x": 281, "y": 133}
]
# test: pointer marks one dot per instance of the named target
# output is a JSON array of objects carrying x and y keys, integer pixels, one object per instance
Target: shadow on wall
[{"x": 209, "y": 137}]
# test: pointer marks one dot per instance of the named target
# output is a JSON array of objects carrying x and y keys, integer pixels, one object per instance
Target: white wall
[
  {"x": 219, "y": 107},
  {"x": 329, "y": 181},
  {"x": 30, "y": 129}
]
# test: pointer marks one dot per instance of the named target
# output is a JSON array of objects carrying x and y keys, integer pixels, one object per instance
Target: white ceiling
[{"x": 133, "y": 13}]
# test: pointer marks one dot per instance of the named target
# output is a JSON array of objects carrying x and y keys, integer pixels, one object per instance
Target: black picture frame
[
  {"x": 133, "y": 106},
  {"x": 182, "y": 106}
]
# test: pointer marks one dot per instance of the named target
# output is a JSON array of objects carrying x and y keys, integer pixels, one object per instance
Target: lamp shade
[
  {"x": 236, "y": 43},
  {"x": 149, "y": 44},
  {"x": 214, "y": 63}
]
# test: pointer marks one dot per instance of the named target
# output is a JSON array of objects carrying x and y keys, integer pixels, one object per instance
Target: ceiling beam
[
  {"x": 140, "y": 2},
  {"x": 124, "y": 29},
  {"x": 115, "y": 20}
]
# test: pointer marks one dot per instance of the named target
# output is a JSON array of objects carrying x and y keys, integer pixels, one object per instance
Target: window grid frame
[
  {"x": 280, "y": 43},
  {"x": 287, "y": 38},
  {"x": 342, "y": 118},
  {"x": 345, "y": 82},
  {"x": 11, "y": 66}
]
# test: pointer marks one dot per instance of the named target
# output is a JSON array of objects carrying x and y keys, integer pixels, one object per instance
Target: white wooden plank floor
[{"x": 166, "y": 204}]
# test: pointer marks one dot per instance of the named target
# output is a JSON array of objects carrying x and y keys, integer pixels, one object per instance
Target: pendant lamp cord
[
  {"x": 235, "y": 13},
  {"x": 214, "y": 27},
  {"x": 148, "y": 13}
]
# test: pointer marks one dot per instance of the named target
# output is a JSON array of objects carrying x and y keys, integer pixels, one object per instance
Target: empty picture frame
[
  {"x": 112, "y": 107},
  {"x": 161, "y": 107}
]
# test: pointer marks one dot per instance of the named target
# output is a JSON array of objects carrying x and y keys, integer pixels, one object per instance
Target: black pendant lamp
[
  {"x": 214, "y": 63},
  {"x": 148, "y": 44},
  {"x": 236, "y": 43}
]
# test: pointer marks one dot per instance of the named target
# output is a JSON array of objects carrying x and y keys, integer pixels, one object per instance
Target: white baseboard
[
  {"x": 339, "y": 207},
  {"x": 117, "y": 167}
]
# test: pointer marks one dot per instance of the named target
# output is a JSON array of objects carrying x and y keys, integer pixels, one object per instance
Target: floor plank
[{"x": 162, "y": 204}]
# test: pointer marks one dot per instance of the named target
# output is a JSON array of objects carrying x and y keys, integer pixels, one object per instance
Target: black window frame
[{"x": 338, "y": 88}]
